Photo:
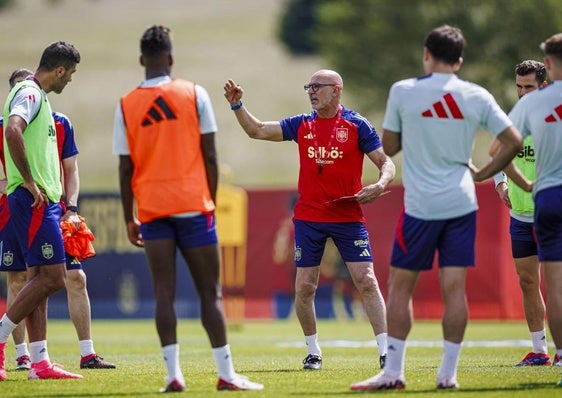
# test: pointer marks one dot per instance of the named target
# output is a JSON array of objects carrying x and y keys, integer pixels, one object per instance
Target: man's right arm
[
  {"x": 511, "y": 143},
  {"x": 269, "y": 131},
  {"x": 13, "y": 133}
]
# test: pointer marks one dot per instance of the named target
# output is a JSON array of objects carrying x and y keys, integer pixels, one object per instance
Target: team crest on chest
[
  {"x": 341, "y": 134},
  {"x": 47, "y": 250}
]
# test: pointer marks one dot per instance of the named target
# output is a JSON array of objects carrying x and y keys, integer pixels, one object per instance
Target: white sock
[
  {"x": 39, "y": 351},
  {"x": 395, "y": 357},
  {"x": 171, "y": 355},
  {"x": 21, "y": 350},
  {"x": 559, "y": 352},
  {"x": 382, "y": 343},
  {"x": 86, "y": 347},
  {"x": 223, "y": 362},
  {"x": 539, "y": 342},
  {"x": 451, "y": 354},
  {"x": 6, "y": 328},
  {"x": 312, "y": 345}
]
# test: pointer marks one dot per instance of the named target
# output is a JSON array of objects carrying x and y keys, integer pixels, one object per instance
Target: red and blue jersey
[{"x": 331, "y": 153}]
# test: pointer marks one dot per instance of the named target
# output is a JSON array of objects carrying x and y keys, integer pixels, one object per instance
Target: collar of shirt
[{"x": 156, "y": 81}]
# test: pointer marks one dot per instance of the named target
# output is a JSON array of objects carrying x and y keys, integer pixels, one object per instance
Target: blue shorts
[
  {"x": 37, "y": 229},
  {"x": 11, "y": 256},
  {"x": 523, "y": 240},
  {"x": 351, "y": 239},
  {"x": 188, "y": 232},
  {"x": 416, "y": 241},
  {"x": 548, "y": 223},
  {"x": 10, "y": 252},
  {"x": 72, "y": 263}
]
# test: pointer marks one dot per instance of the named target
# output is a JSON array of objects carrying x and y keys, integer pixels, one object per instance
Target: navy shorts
[
  {"x": 188, "y": 232},
  {"x": 351, "y": 239},
  {"x": 523, "y": 239},
  {"x": 37, "y": 229},
  {"x": 11, "y": 256},
  {"x": 548, "y": 223},
  {"x": 10, "y": 252},
  {"x": 416, "y": 241}
]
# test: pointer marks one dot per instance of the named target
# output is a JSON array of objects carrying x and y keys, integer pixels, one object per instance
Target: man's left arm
[
  {"x": 211, "y": 162},
  {"x": 387, "y": 171},
  {"x": 71, "y": 185}
]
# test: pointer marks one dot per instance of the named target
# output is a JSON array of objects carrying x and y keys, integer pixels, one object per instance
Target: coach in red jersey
[{"x": 332, "y": 142}]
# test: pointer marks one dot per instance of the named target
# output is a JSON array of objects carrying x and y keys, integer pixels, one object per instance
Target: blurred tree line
[{"x": 373, "y": 43}]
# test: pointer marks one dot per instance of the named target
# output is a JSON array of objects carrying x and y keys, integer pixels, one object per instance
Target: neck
[
  {"x": 442, "y": 69},
  {"x": 156, "y": 72},
  {"x": 43, "y": 80},
  {"x": 329, "y": 111}
]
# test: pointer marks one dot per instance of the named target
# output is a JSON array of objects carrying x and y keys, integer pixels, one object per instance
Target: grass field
[{"x": 271, "y": 353}]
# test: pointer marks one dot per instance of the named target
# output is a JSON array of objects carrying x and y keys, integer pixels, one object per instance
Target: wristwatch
[{"x": 72, "y": 208}]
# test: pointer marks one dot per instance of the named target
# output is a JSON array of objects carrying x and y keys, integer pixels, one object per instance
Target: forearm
[
  {"x": 212, "y": 170},
  {"x": 387, "y": 172},
  {"x": 71, "y": 185},
  {"x": 127, "y": 198},
  {"x": 16, "y": 146},
  {"x": 249, "y": 123}
]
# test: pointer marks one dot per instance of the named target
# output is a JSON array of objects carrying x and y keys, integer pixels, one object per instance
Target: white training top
[
  {"x": 438, "y": 116},
  {"x": 207, "y": 122},
  {"x": 539, "y": 113},
  {"x": 26, "y": 103}
]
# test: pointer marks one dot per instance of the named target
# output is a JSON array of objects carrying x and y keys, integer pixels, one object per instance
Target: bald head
[{"x": 328, "y": 76}]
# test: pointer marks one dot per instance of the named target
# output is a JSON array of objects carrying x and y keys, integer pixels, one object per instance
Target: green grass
[{"x": 271, "y": 353}]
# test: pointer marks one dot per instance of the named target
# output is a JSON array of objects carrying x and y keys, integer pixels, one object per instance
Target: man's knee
[{"x": 75, "y": 279}]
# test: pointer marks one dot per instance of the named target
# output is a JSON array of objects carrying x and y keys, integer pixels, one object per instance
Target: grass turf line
[{"x": 269, "y": 352}]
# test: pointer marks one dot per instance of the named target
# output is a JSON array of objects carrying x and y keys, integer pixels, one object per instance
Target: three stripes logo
[
  {"x": 556, "y": 116},
  {"x": 158, "y": 112},
  {"x": 447, "y": 108},
  {"x": 365, "y": 253}
]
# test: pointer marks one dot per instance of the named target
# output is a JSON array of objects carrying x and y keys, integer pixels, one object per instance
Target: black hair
[
  {"x": 446, "y": 43},
  {"x": 59, "y": 53},
  {"x": 156, "y": 40}
]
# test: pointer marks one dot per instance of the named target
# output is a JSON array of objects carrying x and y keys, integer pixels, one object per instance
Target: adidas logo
[
  {"x": 158, "y": 112},
  {"x": 365, "y": 253},
  {"x": 309, "y": 136},
  {"x": 447, "y": 108},
  {"x": 552, "y": 118}
]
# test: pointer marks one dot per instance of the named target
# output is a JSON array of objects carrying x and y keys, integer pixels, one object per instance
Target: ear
[
  {"x": 458, "y": 64},
  {"x": 547, "y": 63},
  {"x": 141, "y": 60},
  {"x": 170, "y": 59},
  {"x": 59, "y": 71},
  {"x": 426, "y": 54}
]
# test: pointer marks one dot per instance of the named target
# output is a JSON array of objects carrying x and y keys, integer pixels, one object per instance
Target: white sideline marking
[{"x": 414, "y": 343}]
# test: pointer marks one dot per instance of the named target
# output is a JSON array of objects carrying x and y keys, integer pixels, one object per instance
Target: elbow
[
  {"x": 519, "y": 144},
  {"x": 390, "y": 150},
  {"x": 254, "y": 134}
]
